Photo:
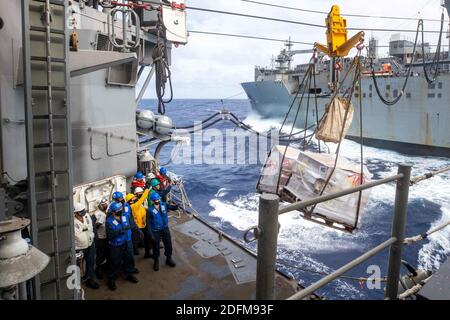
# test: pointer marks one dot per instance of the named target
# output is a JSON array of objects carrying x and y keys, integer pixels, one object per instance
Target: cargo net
[
  {"x": 303, "y": 176},
  {"x": 306, "y": 175}
]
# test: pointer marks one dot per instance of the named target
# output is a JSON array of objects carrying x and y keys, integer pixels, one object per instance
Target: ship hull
[{"x": 417, "y": 124}]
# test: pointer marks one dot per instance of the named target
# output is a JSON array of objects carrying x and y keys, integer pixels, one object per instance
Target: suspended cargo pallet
[{"x": 304, "y": 176}]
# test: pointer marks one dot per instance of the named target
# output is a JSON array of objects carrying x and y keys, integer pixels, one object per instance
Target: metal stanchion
[
  {"x": 398, "y": 231},
  {"x": 267, "y": 246}
]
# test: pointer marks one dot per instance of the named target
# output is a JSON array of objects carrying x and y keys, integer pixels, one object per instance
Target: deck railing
[{"x": 267, "y": 233}]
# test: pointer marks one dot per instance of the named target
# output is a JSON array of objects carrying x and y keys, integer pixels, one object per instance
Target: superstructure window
[
  {"x": 431, "y": 95},
  {"x": 440, "y": 85},
  {"x": 388, "y": 87},
  {"x": 439, "y": 95},
  {"x": 370, "y": 87},
  {"x": 431, "y": 86},
  {"x": 408, "y": 95},
  {"x": 395, "y": 93}
]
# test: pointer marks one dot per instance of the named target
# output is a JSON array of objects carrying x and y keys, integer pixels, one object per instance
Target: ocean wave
[
  {"x": 383, "y": 163},
  {"x": 295, "y": 232},
  {"x": 222, "y": 192},
  {"x": 433, "y": 253}
]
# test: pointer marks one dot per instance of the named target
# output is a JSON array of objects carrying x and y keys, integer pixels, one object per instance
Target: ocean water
[{"x": 226, "y": 196}]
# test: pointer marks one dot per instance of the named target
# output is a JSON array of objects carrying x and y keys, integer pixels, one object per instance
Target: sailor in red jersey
[
  {"x": 163, "y": 178},
  {"x": 138, "y": 181}
]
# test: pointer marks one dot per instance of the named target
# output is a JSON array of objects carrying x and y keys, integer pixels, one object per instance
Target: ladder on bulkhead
[{"x": 48, "y": 132}]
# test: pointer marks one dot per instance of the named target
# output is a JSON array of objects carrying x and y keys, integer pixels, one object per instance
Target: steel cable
[
  {"x": 344, "y": 14},
  {"x": 437, "y": 55},
  {"x": 238, "y": 14}
]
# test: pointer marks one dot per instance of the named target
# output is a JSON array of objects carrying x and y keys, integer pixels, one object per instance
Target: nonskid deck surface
[{"x": 208, "y": 267}]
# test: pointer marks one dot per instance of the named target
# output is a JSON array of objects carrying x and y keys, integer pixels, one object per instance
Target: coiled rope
[{"x": 162, "y": 70}]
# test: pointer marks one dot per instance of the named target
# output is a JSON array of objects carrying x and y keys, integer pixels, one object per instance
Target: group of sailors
[{"x": 110, "y": 237}]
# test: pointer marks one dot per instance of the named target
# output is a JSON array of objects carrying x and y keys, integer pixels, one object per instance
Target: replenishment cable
[
  {"x": 414, "y": 290},
  {"x": 193, "y": 125},
  {"x": 437, "y": 55},
  {"x": 405, "y": 83},
  {"x": 359, "y": 279},
  {"x": 246, "y": 36},
  {"x": 315, "y": 25},
  {"x": 344, "y": 14},
  {"x": 277, "y": 40},
  {"x": 428, "y": 175},
  {"x": 420, "y": 237}
]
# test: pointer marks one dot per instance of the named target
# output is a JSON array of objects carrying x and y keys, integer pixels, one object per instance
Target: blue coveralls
[
  {"x": 164, "y": 192},
  {"x": 120, "y": 246},
  {"x": 134, "y": 229},
  {"x": 158, "y": 221}
]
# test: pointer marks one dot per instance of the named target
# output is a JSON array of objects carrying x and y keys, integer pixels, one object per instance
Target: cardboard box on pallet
[{"x": 304, "y": 175}]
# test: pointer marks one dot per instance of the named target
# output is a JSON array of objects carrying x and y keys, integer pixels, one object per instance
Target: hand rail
[
  {"x": 310, "y": 202},
  {"x": 267, "y": 237},
  {"x": 336, "y": 274},
  {"x": 112, "y": 32}
]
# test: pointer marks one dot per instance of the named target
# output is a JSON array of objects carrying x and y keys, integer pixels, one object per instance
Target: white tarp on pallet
[{"x": 304, "y": 175}]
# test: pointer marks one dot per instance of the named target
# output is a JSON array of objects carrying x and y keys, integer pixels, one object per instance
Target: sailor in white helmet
[
  {"x": 84, "y": 241},
  {"x": 101, "y": 241}
]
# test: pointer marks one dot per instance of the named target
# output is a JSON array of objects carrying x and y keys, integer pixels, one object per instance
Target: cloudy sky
[{"x": 214, "y": 66}]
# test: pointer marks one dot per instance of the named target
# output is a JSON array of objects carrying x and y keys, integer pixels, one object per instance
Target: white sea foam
[
  {"x": 301, "y": 235},
  {"x": 434, "y": 252},
  {"x": 222, "y": 192},
  {"x": 295, "y": 232},
  {"x": 299, "y": 238}
]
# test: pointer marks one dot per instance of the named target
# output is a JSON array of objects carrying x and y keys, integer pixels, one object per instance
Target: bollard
[
  {"x": 267, "y": 246},
  {"x": 398, "y": 231}
]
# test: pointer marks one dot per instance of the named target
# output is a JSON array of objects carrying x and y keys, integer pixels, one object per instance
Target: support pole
[
  {"x": 145, "y": 85},
  {"x": 267, "y": 246},
  {"x": 398, "y": 231}
]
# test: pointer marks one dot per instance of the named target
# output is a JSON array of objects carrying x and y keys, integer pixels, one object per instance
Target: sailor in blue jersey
[
  {"x": 158, "y": 221},
  {"x": 135, "y": 232},
  {"x": 118, "y": 230},
  {"x": 131, "y": 233}
]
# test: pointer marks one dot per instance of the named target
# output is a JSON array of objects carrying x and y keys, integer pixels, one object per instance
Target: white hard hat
[
  {"x": 102, "y": 201},
  {"x": 150, "y": 176},
  {"x": 138, "y": 190},
  {"x": 77, "y": 207}
]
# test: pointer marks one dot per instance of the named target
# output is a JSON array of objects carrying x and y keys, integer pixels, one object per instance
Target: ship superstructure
[
  {"x": 423, "y": 106},
  {"x": 69, "y": 133}
]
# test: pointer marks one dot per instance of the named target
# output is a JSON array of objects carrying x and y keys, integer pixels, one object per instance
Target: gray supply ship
[
  {"x": 70, "y": 132},
  {"x": 417, "y": 124}
]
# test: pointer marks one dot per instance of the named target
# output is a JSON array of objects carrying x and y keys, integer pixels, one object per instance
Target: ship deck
[{"x": 209, "y": 266}]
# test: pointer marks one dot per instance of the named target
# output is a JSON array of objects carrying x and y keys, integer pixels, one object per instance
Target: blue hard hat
[
  {"x": 117, "y": 195},
  {"x": 155, "y": 196},
  {"x": 139, "y": 175},
  {"x": 115, "y": 206},
  {"x": 163, "y": 170}
]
